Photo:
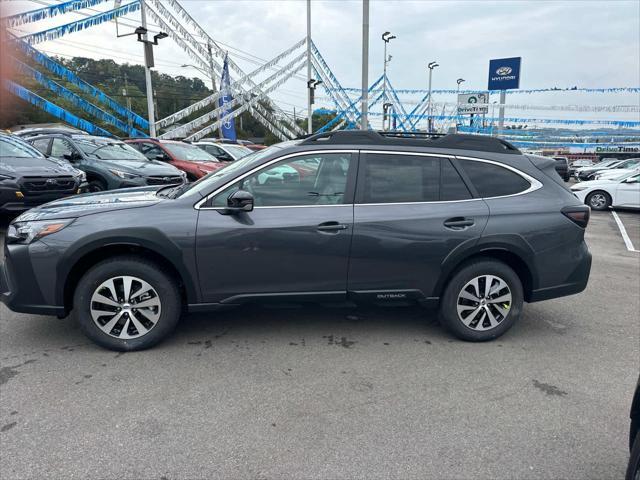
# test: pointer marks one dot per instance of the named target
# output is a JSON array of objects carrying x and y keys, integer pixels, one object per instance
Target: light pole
[
  {"x": 311, "y": 86},
  {"x": 431, "y": 66},
  {"x": 458, "y": 119},
  {"x": 141, "y": 32},
  {"x": 386, "y": 38},
  {"x": 211, "y": 75},
  {"x": 364, "y": 122}
]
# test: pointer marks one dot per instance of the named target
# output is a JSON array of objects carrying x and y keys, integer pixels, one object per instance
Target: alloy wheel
[
  {"x": 125, "y": 307},
  {"x": 484, "y": 302},
  {"x": 598, "y": 200}
]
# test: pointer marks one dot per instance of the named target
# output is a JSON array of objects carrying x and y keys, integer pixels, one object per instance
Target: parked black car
[
  {"x": 465, "y": 222},
  {"x": 562, "y": 167},
  {"x": 586, "y": 173},
  {"x": 633, "y": 469},
  {"x": 28, "y": 178},
  {"x": 108, "y": 163}
]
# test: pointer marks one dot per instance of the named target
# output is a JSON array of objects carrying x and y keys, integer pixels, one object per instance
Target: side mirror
[
  {"x": 631, "y": 180},
  {"x": 72, "y": 157},
  {"x": 240, "y": 201},
  {"x": 225, "y": 158},
  {"x": 161, "y": 157}
]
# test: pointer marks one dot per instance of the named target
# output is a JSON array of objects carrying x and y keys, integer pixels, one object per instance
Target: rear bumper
[{"x": 575, "y": 282}]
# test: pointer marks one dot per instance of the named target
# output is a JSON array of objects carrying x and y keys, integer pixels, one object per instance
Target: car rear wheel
[
  {"x": 482, "y": 301},
  {"x": 127, "y": 303},
  {"x": 598, "y": 200}
]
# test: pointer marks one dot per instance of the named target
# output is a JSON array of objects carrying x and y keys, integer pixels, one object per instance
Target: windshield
[
  {"x": 238, "y": 151},
  {"x": 204, "y": 185},
  {"x": 626, "y": 175},
  {"x": 191, "y": 153},
  {"x": 108, "y": 149},
  {"x": 12, "y": 147}
]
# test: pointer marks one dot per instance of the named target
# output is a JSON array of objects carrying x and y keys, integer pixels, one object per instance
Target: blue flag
[{"x": 228, "y": 127}]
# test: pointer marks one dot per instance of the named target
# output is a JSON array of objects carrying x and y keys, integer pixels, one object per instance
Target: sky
[{"x": 562, "y": 43}]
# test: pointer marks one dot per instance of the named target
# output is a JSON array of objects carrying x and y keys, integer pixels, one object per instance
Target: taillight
[{"x": 578, "y": 214}]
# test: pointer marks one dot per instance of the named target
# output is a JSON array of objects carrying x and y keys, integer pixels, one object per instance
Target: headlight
[
  {"x": 27, "y": 232},
  {"x": 122, "y": 174},
  {"x": 82, "y": 177}
]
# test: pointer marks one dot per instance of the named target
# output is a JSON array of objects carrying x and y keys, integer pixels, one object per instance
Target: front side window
[
  {"x": 492, "y": 180},
  {"x": 41, "y": 144},
  {"x": 60, "y": 147},
  {"x": 319, "y": 179}
]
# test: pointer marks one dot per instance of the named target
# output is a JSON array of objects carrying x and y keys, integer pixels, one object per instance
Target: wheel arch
[
  {"x": 516, "y": 254},
  {"x": 91, "y": 256}
]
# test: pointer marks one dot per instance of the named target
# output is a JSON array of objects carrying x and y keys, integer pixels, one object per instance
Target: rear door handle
[
  {"x": 459, "y": 223},
  {"x": 331, "y": 227}
]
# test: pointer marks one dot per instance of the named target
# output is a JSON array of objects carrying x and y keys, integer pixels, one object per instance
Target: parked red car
[{"x": 188, "y": 158}]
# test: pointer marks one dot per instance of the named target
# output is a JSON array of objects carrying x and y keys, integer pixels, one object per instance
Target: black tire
[
  {"x": 163, "y": 284},
  {"x": 449, "y": 302},
  {"x": 96, "y": 186},
  {"x": 593, "y": 200},
  {"x": 633, "y": 468}
]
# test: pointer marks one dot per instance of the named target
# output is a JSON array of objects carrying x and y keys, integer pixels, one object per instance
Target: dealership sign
[
  {"x": 471, "y": 103},
  {"x": 504, "y": 73}
]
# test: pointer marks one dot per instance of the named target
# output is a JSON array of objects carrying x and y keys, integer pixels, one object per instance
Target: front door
[
  {"x": 411, "y": 211},
  {"x": 628, "y": 192},
  {"x": 296, "y": 240}
]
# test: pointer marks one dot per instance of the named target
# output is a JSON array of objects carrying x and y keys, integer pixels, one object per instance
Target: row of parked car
[{"x": 41, "y": 165}]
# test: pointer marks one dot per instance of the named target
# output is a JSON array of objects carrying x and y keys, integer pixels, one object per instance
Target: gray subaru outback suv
[{"x": 467, "y": 223}]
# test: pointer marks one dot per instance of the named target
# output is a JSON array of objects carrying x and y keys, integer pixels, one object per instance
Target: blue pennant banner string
[
  {"x": 616, "y": 123},
  {"x": 48, "y": 12},
  {"x": 512, "y": 92},
  {"x": 77, "y": 26},
  {"x": 79, "y": 102},
  {"x": 53, "y": 109},
  {"x": 57, "y": 69}
]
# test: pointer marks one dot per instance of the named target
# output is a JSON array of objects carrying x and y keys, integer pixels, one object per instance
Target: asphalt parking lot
[{"x": 326, "y": 393}]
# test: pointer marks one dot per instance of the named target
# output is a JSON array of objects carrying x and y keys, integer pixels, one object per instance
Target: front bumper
[
  {"x": 29, "y": 298},
  {"x": 13, "y": 200}
]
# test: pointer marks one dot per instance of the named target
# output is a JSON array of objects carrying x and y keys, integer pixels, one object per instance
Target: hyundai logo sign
[{"x": 504, "y": 73}]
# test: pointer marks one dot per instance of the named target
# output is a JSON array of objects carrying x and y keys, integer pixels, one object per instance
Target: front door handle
[
  {"x": 459, "y": 223},
  {"x": 331, "y": 227}
]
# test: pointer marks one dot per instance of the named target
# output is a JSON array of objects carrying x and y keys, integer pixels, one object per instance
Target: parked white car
[
  {"x": 601, "y": 194},
  {"x": 617, "y": 172}
]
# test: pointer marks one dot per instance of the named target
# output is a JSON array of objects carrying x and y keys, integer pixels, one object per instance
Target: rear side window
[
  {"x": 400, "y": 178},
  {"x": 492, "y": 180},
  {"x": 410, "y": 178}
]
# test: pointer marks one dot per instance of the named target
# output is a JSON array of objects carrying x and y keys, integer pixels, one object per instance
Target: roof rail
[{"x": 456, "y": 141}]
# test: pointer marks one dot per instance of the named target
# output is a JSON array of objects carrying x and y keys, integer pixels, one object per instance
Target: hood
[
  {"x": 210, "y": 166},
  {"x": 36, "y": 166},
  {"x": 90, "y": 203},
  {"x": 593, "y": 183},
  {"x": 141, "y": 167}
]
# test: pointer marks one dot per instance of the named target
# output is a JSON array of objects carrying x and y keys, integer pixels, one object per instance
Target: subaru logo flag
[
  {"x": 228, "y": 127},
  {"x": 504, "y": 73}
]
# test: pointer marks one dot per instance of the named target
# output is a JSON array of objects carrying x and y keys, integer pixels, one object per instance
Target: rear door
[{"x": 411, "y": 211}]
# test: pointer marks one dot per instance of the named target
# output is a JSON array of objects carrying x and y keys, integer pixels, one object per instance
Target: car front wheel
[
  {"x": 482, "y": 301},
  {"x": 127, "y": 303}
]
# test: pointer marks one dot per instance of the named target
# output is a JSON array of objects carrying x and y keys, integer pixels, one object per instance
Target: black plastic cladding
[{"x": 455, "y": 141}]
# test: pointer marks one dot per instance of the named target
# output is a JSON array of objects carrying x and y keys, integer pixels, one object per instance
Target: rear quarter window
[{"x": 492, "y": 180}]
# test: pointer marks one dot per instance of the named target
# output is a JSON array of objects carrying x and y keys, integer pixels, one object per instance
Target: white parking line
[{"x": 623, "y": 232}]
